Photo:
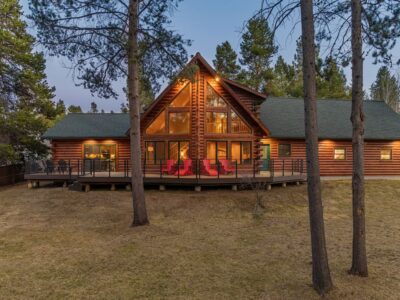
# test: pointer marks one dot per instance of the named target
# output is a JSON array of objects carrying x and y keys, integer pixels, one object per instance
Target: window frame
[
  {"x": 240, "y": 161},
  {"x": 279, "y": 149},
  {"x": 339, "y": 148},
  {"x": 114, "y": 145},
  {"x": 386, "y": 149},
  {"x": 216, "y": 149},
  {"x": 179, "y": 148},
  {"x": 228, "y": 110},
  {"x": 155, "y": 159}
]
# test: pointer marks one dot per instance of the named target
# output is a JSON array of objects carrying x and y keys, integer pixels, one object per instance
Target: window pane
[
  {"x": 340, "y": 153},
  {"x": 184, "y": 150},
  {"x": 213, "y": 99},
  {"x": 179, "y": 123},
  {"x": 222, "y": 150},
  {"x": 246, "y": 152},
  {"x": 386, "y": 154},
  {"x": 183, "y": 98},
  {"x": 216, "y": 122},
  {"x": 284, "y": 150},
  {"x": 158, "y": 125},
  {"x": 235, "y": 151},
  {"x": 100, "y": 151},
  {"x": 211, "y": 151},
  {"x": 238, "y": 126},
  {"x": 150, "y": 150},
  {"x": 173, "y": 150},
  {"x": 178, "y": 150}
]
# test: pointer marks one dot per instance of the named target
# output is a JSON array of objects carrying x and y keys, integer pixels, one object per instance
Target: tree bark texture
[
  {"x": 321, "y": 277},
  {"x": 359, "y": 257},
  {"x": 138, "y": 198}
]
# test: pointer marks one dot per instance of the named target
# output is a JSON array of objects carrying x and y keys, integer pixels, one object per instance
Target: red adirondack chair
[
  {"x": 169, "y": 167},
  {"x": 187, "y": 168},
  {"x": 208, "y": 170},
  {"x": 226, "y": 168}
]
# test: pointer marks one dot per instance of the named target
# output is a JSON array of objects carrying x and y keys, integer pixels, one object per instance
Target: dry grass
[{"x": 56, "y": 243}]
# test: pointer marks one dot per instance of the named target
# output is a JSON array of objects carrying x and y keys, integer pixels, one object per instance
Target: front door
[{"x": 265, "y": 156}]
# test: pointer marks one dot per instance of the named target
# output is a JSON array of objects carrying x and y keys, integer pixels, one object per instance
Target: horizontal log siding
[{"x": 331, "y": 167}]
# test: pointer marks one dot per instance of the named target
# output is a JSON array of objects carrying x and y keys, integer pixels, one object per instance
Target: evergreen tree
[
  {"x": 93, "y": 108},
  {"x": 386, "y": 88},
  {"x": 74, "y": 109},
  {"x": 225, "y": 61},
  {"x": 283, "y": 77},
  {"x": 332, "y": 83},
  {"x": 257, "y": 49},
  {"x": 124, "y": 108},
  {"x": 26, "y": 109}
]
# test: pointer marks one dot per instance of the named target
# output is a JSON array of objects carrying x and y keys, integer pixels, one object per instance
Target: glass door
[{"x": 265, "y": 156}]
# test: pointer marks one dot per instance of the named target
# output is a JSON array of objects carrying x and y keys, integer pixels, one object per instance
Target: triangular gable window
[
  {"x": 183, "y": 98},
  {"x": 158, "y": 125},
  {"x": 213, "y": 99},
  {"x": 238, "y": 125}
]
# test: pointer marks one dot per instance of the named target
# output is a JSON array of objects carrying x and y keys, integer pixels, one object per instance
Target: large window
[
  {"x": 339, "y": 154},
  {"x": 216, "y": 150},
  {"x": 216, "y": 122},
  {"x": 155, "y": 152},
  {"x": 158, "y": 125},
  {"x": 284, "y": 150},
  {"x": 178, "y": 150},
  {"x": 237, "y": 124},
  {"x": 241, "y": 152},
  {"x": 386, "y": 154},
  {"x": 213, "y": 99},
  {"x": 100, "y": 151},
  {"x": 179, "y": 122},
  {"x": 175, "y": 119}
]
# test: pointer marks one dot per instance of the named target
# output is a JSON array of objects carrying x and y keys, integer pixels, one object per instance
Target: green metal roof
[
  {"x": 81, "y": 125},
  {"x": 284, "y": 117}
]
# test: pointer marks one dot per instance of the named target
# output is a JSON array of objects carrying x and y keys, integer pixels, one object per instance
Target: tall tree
[
  {"x": 225, "y": 61},
  {"x": 257, "y": 49},
  {"x": 26, "y": 108},
  {"x": 386, "y": 87},
  {"x": 93, "y": 108},
  {"x": 332, "y": 83},
  {"x": 74, "y": 109},
  {"x": 107, "y": 40},
  {"x": 280, "y": 11},
  {"x": 283, "y": 79}
]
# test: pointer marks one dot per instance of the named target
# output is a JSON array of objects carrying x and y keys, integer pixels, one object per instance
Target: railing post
[
  {"x": 94, "y": 168},
  {"x": 69, "y": 169},
  {"x": 160, "y": 168},
  {"x": 236, "y": 168},
  {"x": 254, "y": 168},
  {"x": 179, "y": 168},
  {"x": 292, "y": 168},
  {"x": 283, "y": 168},
  {"x": 109, "y": 168}
]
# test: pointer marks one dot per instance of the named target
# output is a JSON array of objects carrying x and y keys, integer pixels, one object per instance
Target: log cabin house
[{"x": 215, "y": 127}]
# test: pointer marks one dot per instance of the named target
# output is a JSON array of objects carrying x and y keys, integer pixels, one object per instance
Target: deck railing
[{"x": 188, "y": 168}]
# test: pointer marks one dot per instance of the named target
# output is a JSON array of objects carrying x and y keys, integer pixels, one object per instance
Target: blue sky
[{"x": 207, "y": 23}]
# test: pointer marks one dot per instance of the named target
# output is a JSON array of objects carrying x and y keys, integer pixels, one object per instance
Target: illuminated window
[
  {"x": 241, "y": 152},
  {"x": 158, "y": 125},
  {"x": 155, "y": 152},
  {"x": 183, "y": 98},
  {"x": 99, "y": 157},
  {"x": 216, "y": 122},
  {"x": 213, "y": 99},
  {"x": 178, "y": 150},
  {"x": 179, "y": 122},
  {"x": 386, "y": 154},
  {"x": 216, "y": 150},
  {"x": 284, "y": 150},
  {"x": 339, "y": 154},
  {"x": 237, "y": 124}
]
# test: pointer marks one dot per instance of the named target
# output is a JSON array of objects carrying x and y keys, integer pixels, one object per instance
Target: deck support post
[
  {"x": 128, "y": 187},
  {"x": 269, "y": 187},
  {"x": 65, "y": 184},
  {"x": 113, "y": 187},
  {"x": 297, "y": 182},
  {"x": 197, "y": 188},
  {"x": 37, "y": 184},
  {"x": 162, "y": 187},
  {"x": 234, "y": 187},
  {"x": 30, "y": 184},
  {"x": 284, "y": 184},
  {"x": 87, "y": 188}
]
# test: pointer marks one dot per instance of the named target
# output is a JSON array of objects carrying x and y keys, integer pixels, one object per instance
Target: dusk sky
[{"x": 207, "y": 23}]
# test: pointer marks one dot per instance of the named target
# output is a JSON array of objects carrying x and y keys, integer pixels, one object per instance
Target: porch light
[
  {"x": 150, "y": 148},
  {"x": 217, "y": 78}
]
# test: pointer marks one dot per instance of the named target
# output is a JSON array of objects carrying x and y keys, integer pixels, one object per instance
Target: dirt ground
[{"x": 56, "y": 243}]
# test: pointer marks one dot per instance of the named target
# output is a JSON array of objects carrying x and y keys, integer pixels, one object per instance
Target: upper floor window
[
  {"x": 213, "y": 99},
  {"x": 158, "y": 125},
  {"x": 238, "y": 125},
  {"x": 216, "y": 122},
  {"x": 183, "y": 98}
]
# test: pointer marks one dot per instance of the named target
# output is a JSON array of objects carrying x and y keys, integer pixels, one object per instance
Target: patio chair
[
  {"x": 226, "y": 168},
  {"x": 208, "y": 170},
  {"x": 169, "y": 167},
  {"x": 186, "y": 170},
  {"x": 62, "y": 166},
  {"x": 49, "y": 166}
]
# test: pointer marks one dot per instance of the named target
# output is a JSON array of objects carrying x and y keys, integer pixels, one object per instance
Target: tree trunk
[
  {"x": 359, "y": 261},
  {"x": 321, "y": 277},
  {"x": 138, "y": 199}
]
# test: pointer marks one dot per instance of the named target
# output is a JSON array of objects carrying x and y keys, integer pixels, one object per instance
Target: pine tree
[
  {"x": 283, "y": 77},
  {"x": 225, "y": 61},
  {"x": 257, "y": 50},
  {"x": 26, "y": 109},
  {"x": 333, "y": 83},
  {"x": 386, "y": 88},
  {"x": 74, "y": 109},
  {"x": 93, "y": 108}
]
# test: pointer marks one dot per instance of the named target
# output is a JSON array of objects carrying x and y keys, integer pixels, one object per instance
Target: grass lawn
[{"x": 56, "y": 243}]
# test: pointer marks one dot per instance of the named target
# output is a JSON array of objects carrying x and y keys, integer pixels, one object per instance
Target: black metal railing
[{"x": 187, "y": 168}]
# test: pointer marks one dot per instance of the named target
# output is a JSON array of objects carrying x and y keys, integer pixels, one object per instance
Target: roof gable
[{"x": 285, "y": 119}]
